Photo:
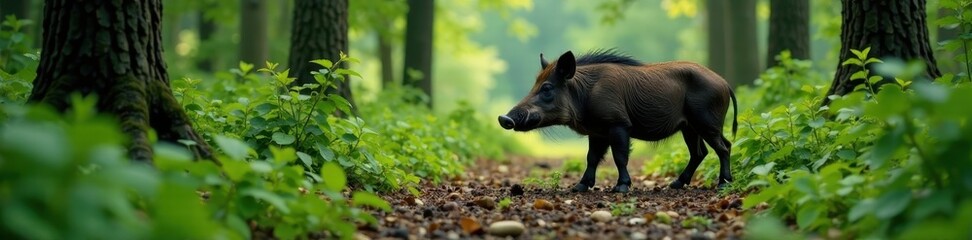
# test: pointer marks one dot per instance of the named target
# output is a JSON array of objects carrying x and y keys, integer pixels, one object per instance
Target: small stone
[
  {"x": 453, "y": 196},
  {"x": 486, "y": 202},
  {"x": 470, "y": 225},
  {"x": 361, "y": 236},
  {"x": 723, "y": 204},
  {"x": 427, "y": 212},
  {"x": 601, "y": 216},
  {"x": 419, "y": 202},
  {"x": 665, "y": 227},
  {"x": 503, "y": 169},
  {"x": 649, "y": 217},
  {"x": 452, "y": 236},
  {"x": 649, "y": 184},
  {"x": 639, "y": 236},
  {"x": 399, "y": 233},
  {"x": 673, "y": 214},
  {"x": 450, "y": 206},
  {"x": 516, "y": 190},
  {"x": 637, "y": 221},
  {"x": 506, "y": 228},
  {"x": 709, "y": 234},
  {"x": 543, "y": 205},
  {"x": 541, "y": 223},
  {"x": 568, "y": 202},
  {"x": 390, "y": 219}
]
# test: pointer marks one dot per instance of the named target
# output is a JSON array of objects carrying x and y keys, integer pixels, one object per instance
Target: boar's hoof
[
  {"x": 722, "y": 185},
  {"x": 676, "y": 184},
  {"x": 580, "y": 187},
  {"x": 623, "y": 188}
]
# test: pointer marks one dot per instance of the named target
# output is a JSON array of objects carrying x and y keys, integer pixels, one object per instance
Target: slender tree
[
  {"x": 418, "y": 46},
  {"x": 789, "y": 29},
  {"x": 717, "y": 39},
  {"x": 206, "y": 29},
  {"x": 319, "y": 31},
  {"x": 253, "y": 31},
  {"x": 113, "y": 49},
  {"x": 892, "y": 29},
  {"x": 744, "y": 47},
  {"x": 385, "y": 57}
]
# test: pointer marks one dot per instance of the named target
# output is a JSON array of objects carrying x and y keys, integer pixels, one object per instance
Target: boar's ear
[
  {"x": 566, "y": 66},
  {"x": 543, "y": 62}
]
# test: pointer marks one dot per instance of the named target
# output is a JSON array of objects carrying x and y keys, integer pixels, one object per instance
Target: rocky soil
[{"x": 494, "y": 201}]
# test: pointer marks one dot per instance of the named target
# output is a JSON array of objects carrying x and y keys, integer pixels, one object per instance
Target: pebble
[
  {"x": 452, "y": 236},
  {"x": 450, "y": 206},
  {"x": 516, "y": 190},
  {"x": 672, "y": 214},
  {"x": 506, "y": 228},
  {"x": 419, "y": 202},
  {"x": 639, "y": 236},
  {"x": 453, "y": 196},
  {"x": 503, "y": 169},
  {"x": 636, "y": 221},
  {"x": 649, "y": 184},
  {"x": 662, "y": 226},
  {"x": 601, "y": 216},
  {"x": 543, "y": 205},
  {"x": 360, "y": 236},
  {"x": 568, "y": 202},
  {"x": 709, "y": 234},
  {"x": 427, "y": 212},
  {"x": 486, "y": 202}
]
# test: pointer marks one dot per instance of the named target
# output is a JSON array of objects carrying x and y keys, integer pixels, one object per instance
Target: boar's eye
[{"x": 546, "y": 92}]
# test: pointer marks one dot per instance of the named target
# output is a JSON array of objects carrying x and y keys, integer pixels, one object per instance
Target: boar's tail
[{"x": 735, "y": 113}]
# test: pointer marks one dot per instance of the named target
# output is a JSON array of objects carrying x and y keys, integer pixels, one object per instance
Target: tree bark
[
  {"x": 892, "y": 29},
  {"x": 418, "y": 46},
  {"x": 320, "y": 31},
  {"x": 744, "y": 46},
  {"x": 385, "y": 57},
  {"x": 253, "y": 32},
  {"x": 789, "y": 29},
  {"x": 717, "y": 39},
  {"x": 113, "y": 49}
]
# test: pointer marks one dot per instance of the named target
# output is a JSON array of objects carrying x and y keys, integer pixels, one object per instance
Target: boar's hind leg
[
  {"x": 620, "y": 147},
  {"x": 721, "y": 146},
  {"x": 697, "y": 152},
  {"x": 595, "y": 152}
]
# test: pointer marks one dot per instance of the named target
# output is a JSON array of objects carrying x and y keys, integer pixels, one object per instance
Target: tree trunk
[
  {"x": 717, "y": 39},
  {"x": 789, "y": 29},
  {"x": 418, "y": 46},
  {"x": 320, "y": 31},
  {"x": 206, "y": 29},
  {"x": 385, "y": 57},
  {"x": 113, "y": 49},
  {"x": 744, "y": 47},
  {"x": 253, "y": 32},
  {"x": 892, "y": 29},
  {"x": 19, "y": 8}
]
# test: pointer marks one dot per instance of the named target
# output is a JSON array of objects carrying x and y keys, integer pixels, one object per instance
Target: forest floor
[{"x": 470, "y": 207}]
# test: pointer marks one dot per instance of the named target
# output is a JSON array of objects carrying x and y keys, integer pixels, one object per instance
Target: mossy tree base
[{"x": 113, "y": 49}]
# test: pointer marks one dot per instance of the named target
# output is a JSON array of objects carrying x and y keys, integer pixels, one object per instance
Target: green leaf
[
  {"x": 267, "y": 196},
  {"x": 865, "y": 53},
  {"x": 764, "y": 169},
  {"x": 283, "y": 138},
  {"x": 235, "y": 169},
  {"x": 334, "y": 177},
  {"x": 817, "y": 122},
  {"x": 306, "y": 159},
  {"x": 852, "y": 61},
  {"x": 808, "y": 215},
  {"x": 234, "y": 148},
  {"x": 892, "y": 203},
  {"x": 349, "y": 138},
  {"x": 847, "y": 154},
  {"x": 858, "y": 75},
  {"x": 860, "y": 209},
  {"x": 324, "y": 63},
  {"x": 370, "y": 199},
  {"x": 326, "y": 153}
]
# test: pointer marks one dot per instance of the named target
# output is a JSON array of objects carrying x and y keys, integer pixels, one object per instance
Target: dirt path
[{"x": 465, "y": 207}]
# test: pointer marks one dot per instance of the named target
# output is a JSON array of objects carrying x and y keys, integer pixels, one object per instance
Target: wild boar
[{"x": 611, "y": 98}]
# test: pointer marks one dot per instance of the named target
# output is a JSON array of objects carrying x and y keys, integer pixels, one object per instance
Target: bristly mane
[{"x": 607, "y": 56}]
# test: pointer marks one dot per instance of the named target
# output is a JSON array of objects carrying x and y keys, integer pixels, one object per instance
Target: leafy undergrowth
[
  {"x": 288, "y": 165},
  {"x": 880, "y": 162}
]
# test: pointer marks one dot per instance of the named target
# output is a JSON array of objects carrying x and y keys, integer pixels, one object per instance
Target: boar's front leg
[
  {"x": 595, "y": 152},
  {"x": 620, "y": 147}
]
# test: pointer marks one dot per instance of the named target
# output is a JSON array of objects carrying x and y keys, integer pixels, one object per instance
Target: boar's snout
[{"x": 506, "y": 122}]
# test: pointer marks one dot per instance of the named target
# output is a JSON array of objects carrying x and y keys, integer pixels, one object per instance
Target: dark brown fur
[{"x": 611, "y": 98}]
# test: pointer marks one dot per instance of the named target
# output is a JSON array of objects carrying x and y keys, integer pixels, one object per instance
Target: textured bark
[
  {"x": 718, "y": 41},
  {"x": 418, "y": 45},
  {"x": 744, "y": 46},
  {"x": 892, "y": 29},
  {"x": 113, "y": 49},
  {"x": 320, "y": 31},
  {"x": 789, "y": 29},
  {"x": 253, "y": 32},
  {"x": 385, "y": 57}
]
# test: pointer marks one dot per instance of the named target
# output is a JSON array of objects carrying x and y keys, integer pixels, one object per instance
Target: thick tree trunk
[
  {"x": 320, "y": 31},
  {"x": 385, "y": 57},
  {"x": 418, "y": 46},
  {"x": 789, "y": 29},
  {"x": 253, "y": 32},
  {"x": 206, "y": 29},
  {"x": 892, "y": 29},
  {"x": 113, "y": 49},
  {"x": 718, "y": 41},
  {"x": 744, "y": 46}
]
